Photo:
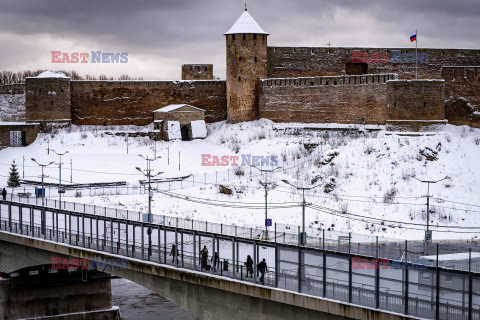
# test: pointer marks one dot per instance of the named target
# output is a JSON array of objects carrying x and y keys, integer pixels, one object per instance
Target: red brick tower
[{"x": 246, "y": 64}]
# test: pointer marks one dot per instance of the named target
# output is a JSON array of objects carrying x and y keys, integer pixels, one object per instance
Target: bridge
[{"x": 308, "y": 282}]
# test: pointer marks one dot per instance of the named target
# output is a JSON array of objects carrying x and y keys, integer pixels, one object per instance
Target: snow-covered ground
[{"x": 362, "y": 176}]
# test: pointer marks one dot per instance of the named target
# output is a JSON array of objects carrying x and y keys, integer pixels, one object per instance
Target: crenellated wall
[
  {"x": 132, "y": 102},
  {"x": 287, "y": 62},
  {"x": 197, "y": 72},
  {"x": 335, "y": 99},
  {"x": 462, "y": 93}
]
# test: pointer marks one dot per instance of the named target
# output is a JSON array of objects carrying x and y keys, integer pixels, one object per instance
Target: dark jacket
[
  {"x": 262, "y": 266},
  {"x": 249, "y": 263},
  {"x": 4, "y": 192}
]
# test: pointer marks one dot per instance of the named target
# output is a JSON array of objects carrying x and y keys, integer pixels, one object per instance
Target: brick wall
[
  {"x": 462, "y": 92},
  {"x": 197, "y": 72},
  {"x": 286, "y": 62},
  {"x": 340, "y": 99},
  {"x": 47, "y": 100},
  {"x": 16, "y": 88},
  {"x": 416, "y": 100},
  {"x": 132, "y": 102}
]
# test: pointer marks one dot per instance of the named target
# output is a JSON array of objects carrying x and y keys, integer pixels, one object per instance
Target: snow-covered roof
[
  {"x": 174, "y": 107},
  {"x": 246, "y": 24},
  {"x": 48, "y": 74}
]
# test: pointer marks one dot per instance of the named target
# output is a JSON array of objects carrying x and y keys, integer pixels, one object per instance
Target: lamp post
[
  {"x": 148, "y": 174},
  {"x": 43, "y": 222},
  {"x": 428, "y": 234},
  {"x": 304, "y": 234},
  {"x": 265, "y": 184},
  {"x": 60, "y": 177}
]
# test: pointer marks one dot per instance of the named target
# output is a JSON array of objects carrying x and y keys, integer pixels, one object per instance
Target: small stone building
[
  {"x": 18, "y": 134},
  {"x": 180, "y": 121}
]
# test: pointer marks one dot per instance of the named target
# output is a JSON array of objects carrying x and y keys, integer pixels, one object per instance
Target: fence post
[
  {"x": 299, "y": 261},
  {"x": 377, "y": 276},
  {"x": 254, "y": 261},
  {"x": 233, "y": 257},
  {"x": 324, "y": 265},
  {"x": 194, "y": 250},
  {"x": 143, "y": 242},
  {"x": 350, "y": 267},
  {"x": 437, "y": 287},
  {"x": 276, "y": 257},
  {"x": 126, "y": 238},
  {"x": 213, "y": 253},
  {"x": 159, "y": 245},
  {"x": 175, "y": 255},
  {"x": 470, "y": 291},
  {"x": 406, "y": 276}
]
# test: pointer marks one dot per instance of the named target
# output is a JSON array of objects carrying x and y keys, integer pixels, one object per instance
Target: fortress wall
[
  {"x": 132, "y": 102},
  {"x": 462, "y": 93},
  {"x": 340, "y": 99},
  {"x": 286, "y": 62},
  {"x": 15, "y": 88},
  {"x": 416, "y": 100}
]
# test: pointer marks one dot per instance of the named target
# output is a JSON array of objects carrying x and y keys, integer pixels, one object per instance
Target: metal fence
[
  {"x": 361, "y": 244},
  {"x": 401, "y": 286}
]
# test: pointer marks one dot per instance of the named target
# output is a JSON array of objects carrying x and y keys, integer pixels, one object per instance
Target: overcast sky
[{"x": 161, "y": 35}]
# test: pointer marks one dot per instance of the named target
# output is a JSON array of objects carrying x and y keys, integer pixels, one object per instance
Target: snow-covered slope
[{"x": 359, "y": 175}]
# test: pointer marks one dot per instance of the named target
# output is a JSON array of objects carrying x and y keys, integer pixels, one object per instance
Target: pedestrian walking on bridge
[
  {"x": 4, "y": 194},
  {"x": 262, "y": 267}
]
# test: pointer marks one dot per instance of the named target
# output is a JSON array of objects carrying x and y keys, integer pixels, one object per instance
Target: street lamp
[
  {"x": 428, "y": 233},
  {"x": 303, "y": 236},
  {"x": 265, "y": 184},
  {"x": 148, "y": 174},
  {"x": 60, "y": 191},
  {"x": 43, "y": 193}
]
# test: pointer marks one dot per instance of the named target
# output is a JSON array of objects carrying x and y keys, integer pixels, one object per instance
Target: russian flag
[{"x": 413, "y": 37}]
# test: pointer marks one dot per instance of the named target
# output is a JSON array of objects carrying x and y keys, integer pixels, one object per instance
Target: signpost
[
  {"x": 268, "y": 222},
  {"x": 428, "y": 236}
]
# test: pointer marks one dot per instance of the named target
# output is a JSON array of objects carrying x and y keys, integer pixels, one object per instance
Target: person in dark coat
[
  {"x": 4, "y": 194},
  {"x": 204, "y": 255},
  {"x": 216, "y": 260},
  {"x": 173, "y": 252},
  {"x": 249, "y": 265},
  {"x": 262, "y": 267}
]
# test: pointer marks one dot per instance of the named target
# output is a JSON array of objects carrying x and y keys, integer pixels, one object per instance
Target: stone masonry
[{"x": 197, "y": 72}]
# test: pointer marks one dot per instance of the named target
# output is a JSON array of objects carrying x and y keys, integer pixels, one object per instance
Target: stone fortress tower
[{"x": 246, "y": 65}]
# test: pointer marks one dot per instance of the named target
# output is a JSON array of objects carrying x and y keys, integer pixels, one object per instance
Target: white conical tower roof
[{"x": 246, "y": 24}]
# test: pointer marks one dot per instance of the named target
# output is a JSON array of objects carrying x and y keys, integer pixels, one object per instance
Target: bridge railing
[{"x": 400, "y": 286}]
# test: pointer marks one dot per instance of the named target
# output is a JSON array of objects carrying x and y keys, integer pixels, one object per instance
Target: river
[{"x": 137, "y": 302}]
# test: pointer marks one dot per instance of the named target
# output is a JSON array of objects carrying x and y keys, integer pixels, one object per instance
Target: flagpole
[{"x": 416, "y": 54}]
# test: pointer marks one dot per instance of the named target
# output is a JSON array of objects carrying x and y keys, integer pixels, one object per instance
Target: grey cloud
[{"x": 187, "y": 31}]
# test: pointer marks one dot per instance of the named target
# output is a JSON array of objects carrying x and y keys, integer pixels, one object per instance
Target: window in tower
[
  {"x": 233, "y": 37},
  {"x": 254, "y": 37},
  {"x": 244, "y": 36}
]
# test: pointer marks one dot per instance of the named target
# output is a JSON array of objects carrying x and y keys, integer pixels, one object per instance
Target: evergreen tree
[{"x": 14, "y": 179}]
